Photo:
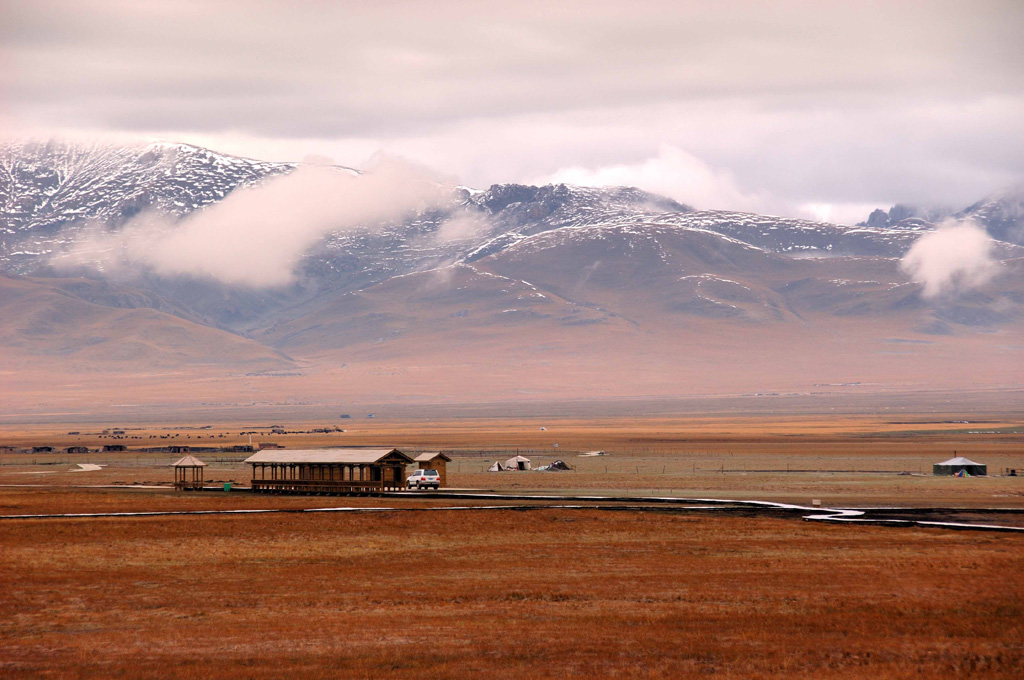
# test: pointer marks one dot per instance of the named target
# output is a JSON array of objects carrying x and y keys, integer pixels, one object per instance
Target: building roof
[
  {"x": 189, "y": 461},
  {"x": 429, "y": 456},
  {"x": 959, "y": 460},
  {"x": 321, "y": 456}
]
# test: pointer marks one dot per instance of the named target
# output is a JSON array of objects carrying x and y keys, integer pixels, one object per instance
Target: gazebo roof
[{"x": 189, "y": 461}]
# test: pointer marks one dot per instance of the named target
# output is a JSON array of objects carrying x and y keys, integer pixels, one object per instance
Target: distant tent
[
  {"x": 518, "y": 463},
  {"x": 496, "y": 467},
  {"x": 559, "y": 465},
  {"x": 958, "y": 465}
]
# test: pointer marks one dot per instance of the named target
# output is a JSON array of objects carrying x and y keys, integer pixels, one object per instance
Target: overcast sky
[{"x": 799, "y": 108}]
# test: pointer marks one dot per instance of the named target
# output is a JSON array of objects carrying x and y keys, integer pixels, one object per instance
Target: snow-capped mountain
[
  {"x": 1002, "y": 214},
  {"x": 902, "y": 214},
  {"x": 505, "y": 215},
  {"x": 48, "y": 184},
  {"x": 517, "y": 281},
  {"x": 49, "y": 190}
]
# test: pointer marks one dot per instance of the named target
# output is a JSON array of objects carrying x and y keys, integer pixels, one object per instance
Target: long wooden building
[{"x": 328, "y": 471}]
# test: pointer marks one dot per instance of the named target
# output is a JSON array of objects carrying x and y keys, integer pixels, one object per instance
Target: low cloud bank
[
  {"x": 952, "y": 259},
  {"x": 674, "y": 173},
  {"x": 257, "y": 235}
]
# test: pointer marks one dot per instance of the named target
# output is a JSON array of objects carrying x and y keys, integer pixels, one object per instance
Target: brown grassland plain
[
  {"x": 528, "y": 593},
  {"x": 501, "y": 593}
]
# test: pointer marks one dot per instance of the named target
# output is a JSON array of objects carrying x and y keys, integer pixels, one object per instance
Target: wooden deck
[{"x": 319, "y": 486}]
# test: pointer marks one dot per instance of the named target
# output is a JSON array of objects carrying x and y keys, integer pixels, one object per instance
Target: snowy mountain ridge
[
  {"x": 49, "y": 184},
  {"x": 50, "y": 191}
]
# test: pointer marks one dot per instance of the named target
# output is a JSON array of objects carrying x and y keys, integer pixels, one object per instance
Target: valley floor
[
  {"x": 519, "y": 593},
  {"x": 547, "y": 593},
  {"x": 841, "y": 460}
]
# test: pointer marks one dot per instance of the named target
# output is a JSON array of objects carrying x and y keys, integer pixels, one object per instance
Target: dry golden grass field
[
  {"x": 546, "y": 593},
  {"x": 434, "y": 592}
]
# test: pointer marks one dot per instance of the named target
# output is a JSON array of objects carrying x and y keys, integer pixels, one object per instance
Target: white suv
[{"x": 424, "y": 479}]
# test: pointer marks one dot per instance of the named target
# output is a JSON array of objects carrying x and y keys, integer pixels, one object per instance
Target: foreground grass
[{"x": 505, "y": 594}]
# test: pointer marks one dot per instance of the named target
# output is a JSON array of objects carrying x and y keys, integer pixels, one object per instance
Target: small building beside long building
[
  {"x": 434, "y": 460},
  {"x": 328, "y": 471}
]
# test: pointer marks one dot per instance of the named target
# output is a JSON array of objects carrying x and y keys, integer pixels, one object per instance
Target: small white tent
[
  {"x": 496, "y": 467},
  {"x": 518, "y": 463}
]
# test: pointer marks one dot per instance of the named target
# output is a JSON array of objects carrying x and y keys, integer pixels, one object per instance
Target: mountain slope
[
  {"x": 632, "y": 296},
  {"x": 96, "y": 325}
]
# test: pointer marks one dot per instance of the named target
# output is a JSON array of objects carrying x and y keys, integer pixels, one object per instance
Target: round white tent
[{"x": 954, "y": 466}]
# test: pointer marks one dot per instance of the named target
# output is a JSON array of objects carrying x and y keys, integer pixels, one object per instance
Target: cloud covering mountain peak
[{"x": 257, "y": 234}]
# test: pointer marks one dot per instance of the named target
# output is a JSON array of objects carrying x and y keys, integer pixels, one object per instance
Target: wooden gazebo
[
  {"x": 182, "y": 474},
  {"x": 328, "y": 471}
]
